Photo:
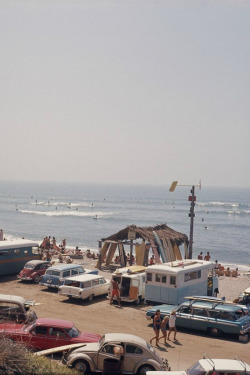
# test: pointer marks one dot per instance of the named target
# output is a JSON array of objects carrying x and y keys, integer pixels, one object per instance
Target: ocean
[{"x": 85, "y": 213}]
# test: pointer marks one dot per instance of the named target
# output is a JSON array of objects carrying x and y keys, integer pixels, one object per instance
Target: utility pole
[{"x": 192, "y": 199}]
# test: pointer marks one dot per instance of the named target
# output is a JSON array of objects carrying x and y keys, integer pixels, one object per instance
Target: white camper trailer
[
  {"x": 131, "y": 282},
  {"x": 171, "y": 282}
]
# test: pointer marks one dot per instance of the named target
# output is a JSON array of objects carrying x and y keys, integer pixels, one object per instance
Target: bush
[{"x": 15, "y": 359}]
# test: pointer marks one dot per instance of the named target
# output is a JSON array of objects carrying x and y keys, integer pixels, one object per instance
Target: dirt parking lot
[{"x": 99, "y": 317}]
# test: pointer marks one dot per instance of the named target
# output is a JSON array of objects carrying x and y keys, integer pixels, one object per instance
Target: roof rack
[
  {"x": 240, "y": 362},
  {"x": 210, "y": 361}
]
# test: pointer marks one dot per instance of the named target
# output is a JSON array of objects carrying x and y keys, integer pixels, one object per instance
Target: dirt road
[{"x": 98, "y": 316}]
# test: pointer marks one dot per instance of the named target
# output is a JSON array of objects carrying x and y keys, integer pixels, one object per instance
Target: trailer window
[
  {"x": 35, "y": 250},
  {"x": 158, "y": 278},
  {"x": 192, "y": 275},
  {"x": 149, "y": 276},
  {"x": 172, "y": 280}
]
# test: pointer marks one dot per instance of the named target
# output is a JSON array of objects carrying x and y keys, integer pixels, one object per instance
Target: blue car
[
  {"x": 55, "y": 275},
  {"x": 213, "y": 316}
]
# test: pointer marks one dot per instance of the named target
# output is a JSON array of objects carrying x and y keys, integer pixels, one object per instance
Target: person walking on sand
[
  {"x": 156, "y": 326},
  {"x": 115, "y": 292},
  {"x": 172, "y": 327},
  {"x": 164, "y": 324}
]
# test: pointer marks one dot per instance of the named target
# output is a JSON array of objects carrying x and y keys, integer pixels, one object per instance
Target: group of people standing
[
  {"x": 207, "y": 257},
  {"x": 160, "y": 324}
]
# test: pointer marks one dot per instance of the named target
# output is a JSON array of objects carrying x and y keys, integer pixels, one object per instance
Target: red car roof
[{"x": 60, "y": 323}]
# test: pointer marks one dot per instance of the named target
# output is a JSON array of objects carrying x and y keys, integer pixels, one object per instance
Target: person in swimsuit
[
  {"x": 164, "y": 324},
  {"x": 156, "y": 326},
  {"x": 172, "y": 327},
  {"x": 115, "y": 291}
]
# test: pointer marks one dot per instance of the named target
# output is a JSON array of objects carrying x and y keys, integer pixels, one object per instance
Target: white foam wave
[
  {"x": 218, "y": 204},
  {"x": 75, "y": 213},
  {"x": 62, "y": 204}
]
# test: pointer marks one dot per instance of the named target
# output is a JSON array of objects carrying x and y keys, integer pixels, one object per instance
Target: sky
[{"x": 135, "y": 91}]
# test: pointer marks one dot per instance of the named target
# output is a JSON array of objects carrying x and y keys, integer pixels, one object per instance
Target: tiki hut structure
[{"x": 163, "y": 241}]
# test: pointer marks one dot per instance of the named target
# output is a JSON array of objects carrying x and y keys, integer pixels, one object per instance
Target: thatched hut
[{"x": 163, "y": 240}]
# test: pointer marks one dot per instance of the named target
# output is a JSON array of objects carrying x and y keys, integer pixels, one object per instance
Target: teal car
[{"x": 215, "y": 317}]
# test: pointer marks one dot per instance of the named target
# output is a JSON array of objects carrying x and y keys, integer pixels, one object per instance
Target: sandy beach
[{"x": 98, "y": 316}]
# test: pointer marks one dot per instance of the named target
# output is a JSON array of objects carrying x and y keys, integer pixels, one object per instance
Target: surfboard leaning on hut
[{"x": 164, "y": 241}]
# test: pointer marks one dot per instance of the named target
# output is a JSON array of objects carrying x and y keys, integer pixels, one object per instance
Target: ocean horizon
[{"x": 85, "y": 213}]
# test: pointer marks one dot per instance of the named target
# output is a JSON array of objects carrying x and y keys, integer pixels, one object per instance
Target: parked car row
[{"x": 71, "y": 280}]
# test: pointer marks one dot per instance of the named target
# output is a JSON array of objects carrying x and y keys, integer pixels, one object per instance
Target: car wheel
[
  {"x": 82, "y": 366},
  {"x": 91, "y": 297},
  {"x": 214, "y": 332},
  {"x": 143, "y": 369},
  {"x": 37, "y": 278}
]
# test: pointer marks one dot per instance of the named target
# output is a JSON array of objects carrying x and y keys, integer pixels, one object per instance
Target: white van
[
  {"x": 85, "y": 286},
  {"x": 131, "y": 282}
]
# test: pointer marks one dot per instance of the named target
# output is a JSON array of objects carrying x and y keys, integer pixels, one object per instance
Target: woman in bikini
[
  {"x": 164, "y": 324},
  {"x": 156, "y": 326}
]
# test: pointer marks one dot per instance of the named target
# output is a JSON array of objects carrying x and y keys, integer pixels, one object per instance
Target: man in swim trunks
[{"x": 115, "y": 291}]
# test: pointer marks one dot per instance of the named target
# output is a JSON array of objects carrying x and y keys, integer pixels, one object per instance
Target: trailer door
[{"x": 134, "y": 289}]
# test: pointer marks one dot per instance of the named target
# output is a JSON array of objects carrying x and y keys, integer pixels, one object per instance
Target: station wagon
[
  {"x": 85, "y": 286},
  {"x": 55, "y": 275},
  {"x": 214, "y": 317}
]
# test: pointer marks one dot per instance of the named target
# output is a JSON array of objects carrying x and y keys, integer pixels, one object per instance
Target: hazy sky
[{"x": 140, "y": 91}]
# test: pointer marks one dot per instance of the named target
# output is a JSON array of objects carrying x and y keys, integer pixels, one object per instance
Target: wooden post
[
  {"x": 99, "y": 262},
  {"x": 131, "y": 253}
]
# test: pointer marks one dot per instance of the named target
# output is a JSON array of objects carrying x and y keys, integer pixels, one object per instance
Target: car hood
[
  {"x": 90, "y": 347},
  {"x": 164, "y": 309},
  {"x": 26, "y": 271},
  {"x": 11, "y": 328},
  {"x": 87, "y": 337}
]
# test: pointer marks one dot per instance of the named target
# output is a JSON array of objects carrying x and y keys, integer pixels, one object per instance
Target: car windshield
[
  {"x": 196, "y": 369},
  {"x": 30, "y": 266},
  {"x": 239, "y": 313},
  {"x": 73, "y": 332},
  {"x": 102, "y": 340}
]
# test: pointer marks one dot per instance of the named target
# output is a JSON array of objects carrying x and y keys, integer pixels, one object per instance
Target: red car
[
  {"x": 34, "y": 270},
  {"x": 46, "y": 333}
]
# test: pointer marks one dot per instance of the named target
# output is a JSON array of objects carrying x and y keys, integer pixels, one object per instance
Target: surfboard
[
  {"x": 167, "y": 251},
  {"x": 171, "y": 251},
  {"x": 177, "y": 252},
  {"x": 111, "y": 253},
  {"x": 136, "y": 269},
  {"x": 208, "y": 299},
  {"x": 122, "y": 254},
  {"x": 146, "y": 253},
  {"x": 160, "y": 247},
  {"x": 140, "y": 252},
  {"x": 58, "y": 349},
  {"x": 104, "y": 250},
  {"x": 155, "y": 252}
]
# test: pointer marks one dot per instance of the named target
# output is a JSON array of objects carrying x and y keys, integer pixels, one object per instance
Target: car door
[
  {"x": 200, "y": 319},
  {"x": 133, "y": 354},
  {"x": 38, "y": 337},
  {"x": 107, "y": 351},
  {"x": 184, "y": 317},
  {"x": 57, "y": 337}
]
